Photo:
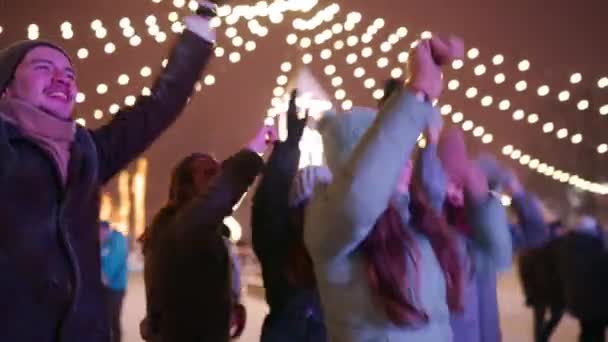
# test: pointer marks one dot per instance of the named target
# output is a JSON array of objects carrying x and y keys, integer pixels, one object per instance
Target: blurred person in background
[{"x": 114, "y": 274}]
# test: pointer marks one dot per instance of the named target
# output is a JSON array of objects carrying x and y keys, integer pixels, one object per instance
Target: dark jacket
[
  {"x": 582, "y": 264},
  {"x": 295, "y": 313},
  {"x": 187, "y": 272},
  {"x": 51, "y": 286}
]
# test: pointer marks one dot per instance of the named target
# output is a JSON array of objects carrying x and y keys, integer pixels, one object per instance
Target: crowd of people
[{"x": 387, "y": 242}]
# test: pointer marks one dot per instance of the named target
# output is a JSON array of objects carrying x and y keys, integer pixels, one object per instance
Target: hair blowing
[{"x": 385, "y": 253}]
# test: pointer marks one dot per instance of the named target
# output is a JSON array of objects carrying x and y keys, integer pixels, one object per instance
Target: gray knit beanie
[{"x": 11, "y": 57}]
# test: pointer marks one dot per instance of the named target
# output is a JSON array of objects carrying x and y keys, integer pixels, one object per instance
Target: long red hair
[{"x": 385, "y": 252}]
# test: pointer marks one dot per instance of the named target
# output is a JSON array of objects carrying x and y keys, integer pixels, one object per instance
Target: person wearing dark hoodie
[
  {"x": 582, "y": 262},
  {"x": 277, "y": 236},
  {"x": 51, "y": 172},
  {"x": 187, "y": 272},
  {"x": 484, "y": 245},
  {"x": 383, "y": 272}
]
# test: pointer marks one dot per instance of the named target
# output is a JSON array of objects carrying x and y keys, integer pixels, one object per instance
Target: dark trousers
[{"x": 114, "y": 299}]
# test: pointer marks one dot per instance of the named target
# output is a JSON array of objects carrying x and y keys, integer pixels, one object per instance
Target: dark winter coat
[
  {"x": 295, "y": 313},
  {"x": 51, "y": 289},
  {"x": 187, "y": 264},
  {"x": 582, "y": 263}
]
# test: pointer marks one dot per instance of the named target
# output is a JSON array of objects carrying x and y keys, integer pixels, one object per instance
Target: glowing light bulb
[
  {"x": 471, "y": 92},
  {"x": 582, "y": 105},
  {"x": 504, "y": 105},
  {"x": 478, "y": 131},
  {"x": 130, "y": 100},
  {"x": 480, "y": 70},
  {"x": 507, "y": 150},
  {"x": 369, "y": 83},
  {"x": 524, "y": 65},
  {"x": 521, "y": 85},
  {"x": 98, "y": 114},
  {"x": 486, "y": 101},
  {"x": 498, "y": 59},
  {"x": 562, "y": 133},
  {"x": 359, "y": 72},
  {"x": 487, "y": 138},
  {"x": 604, "y": 109},
  {"x": 102, "y": 88},
  {"x": 340, "y": 94},
  {"x": 543, "y": 90},
  {"x": 209, "y": 80},
  {"x": 378, "y": 94},
  {"x": 123, "y": 79},
  {"x": 80, "y": 97},
  {"x": 446, "y": 109},
  {"x": 602, "y": 82},
  {"x": 533, "y": 118},
  {"x": 467, "y": 125},
  {"x": 576, "y": 138},
  {"x": 382, "y": 62},
  {"x": 330, "y": 70},
  {"x": 453, "y": 84},
  {"x": 473, "y": 53},
  {"x": 499, "y": 78},
  {"x": 396, "y": 73},
  {"x": 286, "y": 67},
  {"x": 516, "y": 154},
  {"x": 603, "y": 148},
  {"x": 82, "y": 53},
  {"x": 351, "y": 58},
  {"x": 347, "y": 105},
  {"x": 457, "y": 64},
  {"x": 145, "y": 71},
  {"x": 564, "y": 95},
  {"x": 234, "y": 57},
  {"x": 548, "y": 127},
  {"x": 518, "y": 115},
  {"x": 576, "y": 78}
]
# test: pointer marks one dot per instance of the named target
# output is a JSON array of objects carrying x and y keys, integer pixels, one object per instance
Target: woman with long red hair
[{"x": 386, "y": 264}]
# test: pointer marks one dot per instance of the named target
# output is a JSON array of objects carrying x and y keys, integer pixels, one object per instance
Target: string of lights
[{"x": 458, "y": 118}]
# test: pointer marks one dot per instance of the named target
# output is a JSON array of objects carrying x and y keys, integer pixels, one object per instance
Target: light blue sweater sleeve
[
  {"x": 343, "y": 213},
  {"x": 492, "y": 250},
  {"x": 431, "y": 175}
]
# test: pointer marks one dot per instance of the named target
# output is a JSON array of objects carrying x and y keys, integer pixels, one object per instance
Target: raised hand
[
  {"x": 295, "y": 125},
  {"x": 265, "y": 137},
  {"x": 424, "y": 73},
  {"x": 424, "y": 66},
  {"x": 445, "y": 49}
]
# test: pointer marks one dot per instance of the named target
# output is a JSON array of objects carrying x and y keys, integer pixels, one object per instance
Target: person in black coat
[
  {"x": 188, "y": 268},
  {"x": 277, "y": 223},
  {"x": 51, "y": 172},
  {"x": 582, "y": 262}
]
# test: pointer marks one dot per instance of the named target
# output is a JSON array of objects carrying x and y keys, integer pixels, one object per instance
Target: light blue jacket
[
  {"x": 114, "y": 254},
  {"x": 487, "y": 251},
  {"x": 341, "y": 215}
]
